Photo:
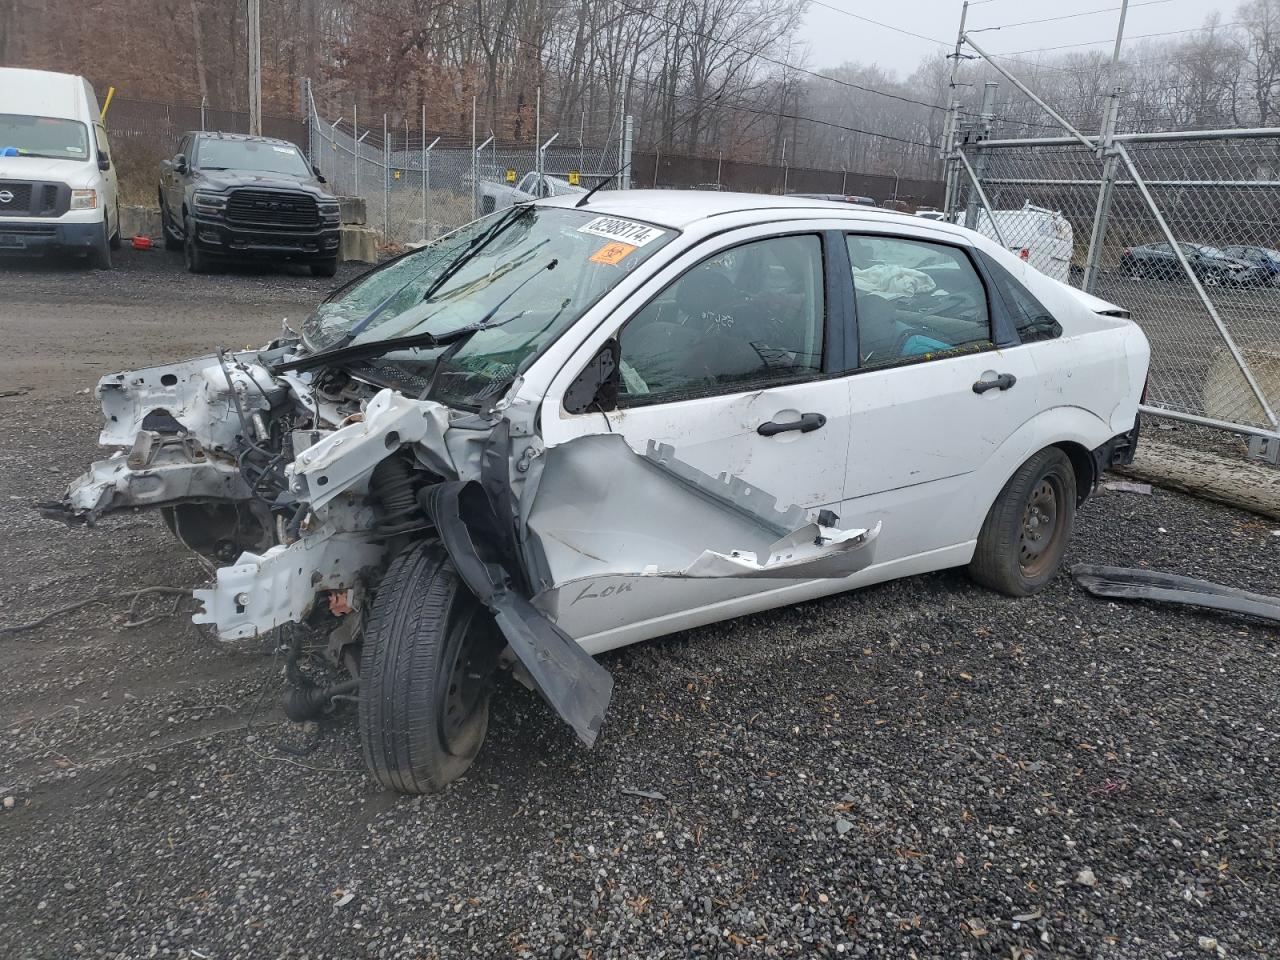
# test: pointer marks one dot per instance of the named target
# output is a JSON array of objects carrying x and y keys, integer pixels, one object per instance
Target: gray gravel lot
[{"x": 921, "y": 769}]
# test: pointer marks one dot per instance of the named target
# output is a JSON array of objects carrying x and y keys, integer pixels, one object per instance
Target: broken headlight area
[{"x": 434, "y": 545}]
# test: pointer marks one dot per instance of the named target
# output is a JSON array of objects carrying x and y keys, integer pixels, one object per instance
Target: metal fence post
[
  {"x": 355, "y": 149},
  {"x": 628, "y": 136},
  {"x": 537, "y": 143},
  {"x": 386, "y": 181},
  {"x": 1102, "y": 214},
  {"x": 983, "y": 133},
  {"x": 475, "y": 164}
]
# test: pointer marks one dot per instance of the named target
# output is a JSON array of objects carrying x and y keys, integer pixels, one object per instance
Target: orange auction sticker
[{"x": 612, "y": 253}]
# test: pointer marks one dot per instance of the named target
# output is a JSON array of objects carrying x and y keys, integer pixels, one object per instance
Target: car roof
[
  {"x": 250, "y": 138},
  {"x": 685, "y": 209}
]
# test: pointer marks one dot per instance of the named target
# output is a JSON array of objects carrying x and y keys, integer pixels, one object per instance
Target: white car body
[
  {"x": 69, "y": 223},
  {"x": 645, "y": 519}
]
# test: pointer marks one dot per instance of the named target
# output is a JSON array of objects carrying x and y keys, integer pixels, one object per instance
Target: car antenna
[{"x": 613, "y": 176}]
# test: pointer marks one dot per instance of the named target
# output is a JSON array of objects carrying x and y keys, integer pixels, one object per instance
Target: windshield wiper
[{"x": 474, "y": 245}]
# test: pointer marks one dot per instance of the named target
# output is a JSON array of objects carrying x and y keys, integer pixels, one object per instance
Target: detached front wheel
[{"x": 426, "y": 672}]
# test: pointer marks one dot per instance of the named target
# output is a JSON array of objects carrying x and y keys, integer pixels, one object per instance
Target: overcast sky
[{"x": 834, "y": 38}]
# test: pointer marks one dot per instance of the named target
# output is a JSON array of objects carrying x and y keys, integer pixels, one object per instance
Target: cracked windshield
[{"x": 494, "y": 292}]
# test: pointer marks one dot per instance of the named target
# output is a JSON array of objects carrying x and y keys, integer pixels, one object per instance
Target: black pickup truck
[{"x": 232, "y": 196}]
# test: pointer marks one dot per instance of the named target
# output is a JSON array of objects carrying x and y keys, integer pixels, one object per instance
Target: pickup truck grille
[{"x": 272, "y": 208}]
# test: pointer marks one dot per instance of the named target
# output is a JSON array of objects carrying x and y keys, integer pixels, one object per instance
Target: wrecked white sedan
[{"x": 589, "y": 421}]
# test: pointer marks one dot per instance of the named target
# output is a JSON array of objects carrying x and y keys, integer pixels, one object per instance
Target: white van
[
  {"x": 1038, "y": 235},
  {"x": 57, "y": 184}
]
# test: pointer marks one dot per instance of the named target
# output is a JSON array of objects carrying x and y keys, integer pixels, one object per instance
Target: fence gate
[{"x": 1181, "y": 229}]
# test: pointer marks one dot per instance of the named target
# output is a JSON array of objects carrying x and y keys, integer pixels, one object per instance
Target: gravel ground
[{"x": 921, "y": 769}]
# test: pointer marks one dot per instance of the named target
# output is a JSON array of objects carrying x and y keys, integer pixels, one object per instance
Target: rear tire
[
  {"x": 1025, "y": 535},
  {"x": 426, "y": 670},
  {"x": 115, "y": 237},
  {"x": 325, "y": 268}
]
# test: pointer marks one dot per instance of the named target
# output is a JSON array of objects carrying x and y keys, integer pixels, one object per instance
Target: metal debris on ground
[
  {"x": 1128, "y": 486},
  {"x": 1128, "y": 583}
]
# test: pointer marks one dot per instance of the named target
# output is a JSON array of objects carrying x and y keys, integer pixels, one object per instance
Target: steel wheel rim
[{"x": 1041, "y": 525}]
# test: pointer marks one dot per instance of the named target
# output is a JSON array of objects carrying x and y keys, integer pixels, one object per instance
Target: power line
[
  {"x": 1065, "y": 16},
  {"x": 1139, "y": 36},
  {"x": 780, "y": 63},
  {"x": 889, "y": 26},
  {"x": 739, "y": 105}
]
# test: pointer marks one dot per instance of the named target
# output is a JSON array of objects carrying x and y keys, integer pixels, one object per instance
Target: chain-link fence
[
  {"x": 144, "y": 132},
  {"x": 417, "y": 185},
  {"x": 1182, "y": 230}
]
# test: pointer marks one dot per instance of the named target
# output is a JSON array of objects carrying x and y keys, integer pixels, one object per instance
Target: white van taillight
[{"x": 1024, "y": 253}]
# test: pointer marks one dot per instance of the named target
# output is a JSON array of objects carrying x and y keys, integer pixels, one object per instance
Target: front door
[{"x": 728, "y": 365}]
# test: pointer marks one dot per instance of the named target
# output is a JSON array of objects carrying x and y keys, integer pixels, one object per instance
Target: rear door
[{"x": 940, "y": 388}]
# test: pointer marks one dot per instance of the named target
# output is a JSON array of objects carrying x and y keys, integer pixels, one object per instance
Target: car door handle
[
  {"x": 1002, "y": 382},
  {"x": 807, "y": 423}
]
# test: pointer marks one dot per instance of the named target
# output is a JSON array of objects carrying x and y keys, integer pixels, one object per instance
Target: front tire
[
  {"x": 100, "y": 253},
  {"x": 197, "y": 260},
  {"x": 1025, "y": 535},
  {"x": 426, "y": 671}
]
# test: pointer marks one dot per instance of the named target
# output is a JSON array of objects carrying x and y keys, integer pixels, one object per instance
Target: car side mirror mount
[
  {"x": 104, "y": 162},
  {"x": 319, "y": 176},
  {"x": 180, "y": 163},
  {"x": 596, "y": 387}
]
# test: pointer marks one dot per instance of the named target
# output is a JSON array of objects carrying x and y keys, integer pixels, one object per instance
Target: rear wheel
[
  {"x": 1026, "y": 533},
  {"x": 426, "y": 671},
  {"x": 115, "y": 237}
]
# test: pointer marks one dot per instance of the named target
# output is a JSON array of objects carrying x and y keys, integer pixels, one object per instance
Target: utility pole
[
  {"x": 255, "y": 68},
  {"x": 976, "y": 135},
  {"x": 1110, "y": 163},
  {"x": 949, "y": 172}
]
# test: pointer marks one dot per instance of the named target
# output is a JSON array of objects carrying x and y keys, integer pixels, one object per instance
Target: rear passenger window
[
  {"x": 1032, "y": 320},
  {"x": 915, "y": 299}
]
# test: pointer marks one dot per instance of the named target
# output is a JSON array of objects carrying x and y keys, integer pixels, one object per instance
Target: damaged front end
[
  {"x": 314, "y": 483},
  {"x": 309, "y": 471}
]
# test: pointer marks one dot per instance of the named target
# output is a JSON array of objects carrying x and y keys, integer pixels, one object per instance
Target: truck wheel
[
  {"x": 197, "y": 259},
  {"x": 325, "y": 268},
  {"x": 1026, "y": 532},
  {"x": 426, "y": 670},
  {"x": 100, "y": 253},
  {"x": 115, "y": 237}
]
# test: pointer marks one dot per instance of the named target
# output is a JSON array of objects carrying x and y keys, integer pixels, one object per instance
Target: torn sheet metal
[
  {"x": 346, "y": 457},
  {"x": 262, "y": 591},
  {"x": 194, "y": 394},
  {"x": 159, "y": 470},
  {"x": 602, "y": 510},
  {"x": 575, "y": 686},
  {"x": 1128, "y": 583}
]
